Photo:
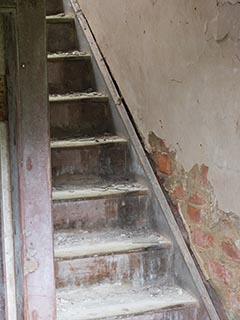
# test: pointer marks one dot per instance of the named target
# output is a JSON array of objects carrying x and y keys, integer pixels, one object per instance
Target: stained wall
[{"x": 177, "y": 64}]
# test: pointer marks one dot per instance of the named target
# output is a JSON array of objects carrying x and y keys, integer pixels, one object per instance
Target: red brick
[
  {"x": 204, "y": 174},
  {"x": 202, "y": 239},
  {"x": 230, "y": 249},
  {"x": 196, "y": 199},
  {"x": 164, "y": 163},
  {"x": 178, "y": 192},
  {"x": 219, "y": 271},
  {"x": 194, "y": 214},
  {"x": 163, "y": 146},
  {"x": 233, "y": 300}
]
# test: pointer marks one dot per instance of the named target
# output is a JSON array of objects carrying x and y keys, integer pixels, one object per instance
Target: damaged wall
[{"x": 177, "y": 64}]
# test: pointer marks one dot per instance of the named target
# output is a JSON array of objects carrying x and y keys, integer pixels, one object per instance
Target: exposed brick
[
  {"x": 233, "y": 300},
  {"x": 194, "y": 214},
  {"x": 202, "y": 239},
  {"x": 230, "y": 249},
  {"x": 196, "y": 199},
  {"x": 164, "y": 163},
  {"x": 204, "y": 174},
  {"x": 163, "y": 146},
  {"x": 178, "y": 192},
  {"x": 219, "y": 271}
]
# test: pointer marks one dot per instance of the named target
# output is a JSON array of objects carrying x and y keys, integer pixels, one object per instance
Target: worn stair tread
[
  {"x": 60, "y": 18},
  {"x": 86, "y": 142},
  {"x": 74, "y": 243},
  {"x": 78, "y": 96},
  {"x": 113, "y": 301},
  {"x": 70, "y": 192},
  {"x": 73, "y": 55}
]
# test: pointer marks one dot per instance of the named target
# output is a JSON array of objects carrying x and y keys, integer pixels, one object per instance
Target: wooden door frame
[{"x": 28, "y": 122}]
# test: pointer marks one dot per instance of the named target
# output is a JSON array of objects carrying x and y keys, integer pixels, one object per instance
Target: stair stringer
[{"x": 185, "y": 271}]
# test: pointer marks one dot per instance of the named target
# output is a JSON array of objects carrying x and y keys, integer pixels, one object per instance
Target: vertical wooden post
[
  {"x": 7, "y": 227},
  {"x": 29, "y": 130}
]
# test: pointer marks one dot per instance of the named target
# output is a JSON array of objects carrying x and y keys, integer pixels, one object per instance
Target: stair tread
[
  {"x": 60, "y": 18},
  {"x": 68, "y": 192},
  {"x": 74, "y": 243},
  {"x": 106, "y": 301},
  {"x": 85, "y": 142},
  {"x": 75, "y": 96},
  {"x": 72, "y": 55}
]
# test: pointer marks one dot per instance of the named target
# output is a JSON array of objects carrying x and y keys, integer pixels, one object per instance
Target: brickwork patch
[{"x": 214, "y": 235}]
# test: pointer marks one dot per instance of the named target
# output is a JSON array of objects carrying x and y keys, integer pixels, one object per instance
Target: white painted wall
[{"x": 177, "y": 63}]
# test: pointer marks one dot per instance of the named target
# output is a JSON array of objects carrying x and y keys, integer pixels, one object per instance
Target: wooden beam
[
  {"x": 7, "y": 227},
  {"x": 30, "y": 157}
]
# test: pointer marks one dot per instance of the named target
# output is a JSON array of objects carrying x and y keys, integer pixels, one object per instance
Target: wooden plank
[
  {"x": 29, "y": 129},
  {"x": 7, "y": 227}
]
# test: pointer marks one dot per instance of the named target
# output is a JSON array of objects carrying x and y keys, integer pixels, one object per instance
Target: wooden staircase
[{"x": 111, "y": 261}]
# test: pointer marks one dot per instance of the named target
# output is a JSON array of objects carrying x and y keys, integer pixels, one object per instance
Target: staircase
[{"x": 111, "y": 261}]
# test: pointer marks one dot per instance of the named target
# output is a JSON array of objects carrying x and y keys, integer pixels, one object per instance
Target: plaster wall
[{"x": 177, "y": 64}]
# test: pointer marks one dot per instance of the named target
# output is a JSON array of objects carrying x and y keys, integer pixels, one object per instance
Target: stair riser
[
  {"x": 79, "y": 118},
  {"x": 64, "y": 76},
  {"x": 97, "y": 161},
  {"x": 54, "y": 7},
  {"x": 184, "y": 313},
  {"x": 93, "y": 214},
  {"x": 61, "y": 37},
  {"x": 139, "y": 268}
]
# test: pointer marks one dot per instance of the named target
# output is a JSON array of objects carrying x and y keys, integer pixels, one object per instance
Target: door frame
[{"x": 29, "y": 149}]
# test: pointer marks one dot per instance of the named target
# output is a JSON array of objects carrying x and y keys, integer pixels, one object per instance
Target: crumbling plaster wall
[{"x": 177, "y": 63}]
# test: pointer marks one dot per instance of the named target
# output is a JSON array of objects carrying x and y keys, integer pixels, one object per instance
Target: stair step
[
  {"x": 114, "y": 205},
  {"x": 87, "y": 142},
  {"x": 90, "y": 158},
  {"x": 59, "y": 18},
  {"x": 61, "y": 33},
  {"x": 68, "y": 56},
  {"x": 86, "y": 258},
  {"x": 123, "y": 302},
  {"x": 98, "y": 191},
  {"x": 72, "y": 244},
  {"x": 80, "y": 115},
  {"x": 78, "y": 96},
  {"x": 64, "y": 70}
]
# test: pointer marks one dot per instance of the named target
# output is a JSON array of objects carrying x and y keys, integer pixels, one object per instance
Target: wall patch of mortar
[
  {"x": 31, "y": 265},
  {"x": 214, "y": 235}
]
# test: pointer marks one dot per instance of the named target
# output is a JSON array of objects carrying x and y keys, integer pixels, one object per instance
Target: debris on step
[{"x": 109, "y": 301}]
